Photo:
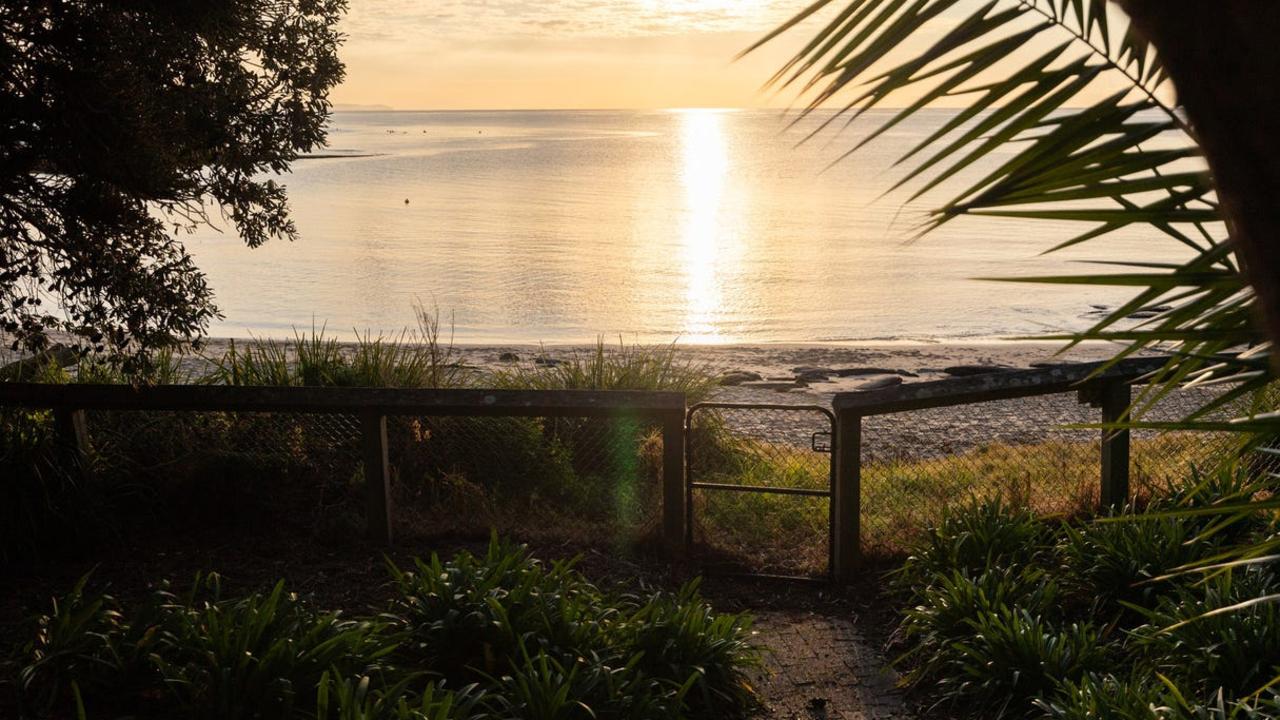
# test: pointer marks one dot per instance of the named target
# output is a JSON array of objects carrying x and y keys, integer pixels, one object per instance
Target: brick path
[{"x": 819, "y": 667}]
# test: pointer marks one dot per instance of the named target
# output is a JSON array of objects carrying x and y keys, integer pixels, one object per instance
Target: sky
[
  {"x": 642, "y": 54},
  {"x": 474, "y": 54}
]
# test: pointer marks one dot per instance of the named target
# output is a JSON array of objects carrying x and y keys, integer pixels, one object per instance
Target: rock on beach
[{"x": 879, "y": 383}]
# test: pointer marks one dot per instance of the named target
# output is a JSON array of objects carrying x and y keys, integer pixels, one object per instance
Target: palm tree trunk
[{"x": 1224, "y": 59}]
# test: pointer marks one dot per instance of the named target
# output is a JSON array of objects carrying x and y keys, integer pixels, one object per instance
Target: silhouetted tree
[{"x": 122, "y": 125}]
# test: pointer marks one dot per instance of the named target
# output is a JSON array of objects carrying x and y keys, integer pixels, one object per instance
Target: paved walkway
[{"x": 819, "y": 667}]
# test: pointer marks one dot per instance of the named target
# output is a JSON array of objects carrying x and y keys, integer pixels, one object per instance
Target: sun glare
[{"x": 704, "y": 168}]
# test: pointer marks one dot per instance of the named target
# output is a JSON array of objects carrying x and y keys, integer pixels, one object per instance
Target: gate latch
[{"x": 821, "y": 441}]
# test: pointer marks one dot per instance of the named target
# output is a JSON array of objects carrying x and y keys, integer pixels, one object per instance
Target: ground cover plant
[
  {"x": 1008, "y": 616},
  {"x": 494, "y": 635}
]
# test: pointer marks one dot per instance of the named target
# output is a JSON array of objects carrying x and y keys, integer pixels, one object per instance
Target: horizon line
[{"x": 373, "y": 108}]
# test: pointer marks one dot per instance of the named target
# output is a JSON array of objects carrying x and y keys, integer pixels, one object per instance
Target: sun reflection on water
[{"x": 704, "y": 236}]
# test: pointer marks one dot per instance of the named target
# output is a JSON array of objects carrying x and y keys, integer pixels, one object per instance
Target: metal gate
[{"x": 759, "y": 488}]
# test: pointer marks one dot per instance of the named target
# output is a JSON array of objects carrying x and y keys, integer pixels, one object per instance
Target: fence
[
  {"x": 772, "y": 482},
  {"x": 346, "y": 431},
  {"x": 906, "y": 453},
  {"x": 759, "y": 488}
]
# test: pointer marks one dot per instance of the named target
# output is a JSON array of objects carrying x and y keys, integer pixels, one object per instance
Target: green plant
[
  {"x": 340, "y": 697},
  {"x": 467, "y": 617},
  {"x": 1013, "y": 658},
  {"x": 944, "y": 610},
  {"x": 493, "y": 636},
  {"x": 420, "y": 358},
  {"x": 1069, "y": 113},
  {"x": 973, "y": 537},
  {"x": 1223, "y": 633},
  {"x": 628, "y": 367},
  {"x": 199, "y": 654},
  {"x": 680, "y": 640},
  {"x": 1106, "y": 697},
  {"x": 1126, "y": 558},
  {"x": 1219, "y": 706}
]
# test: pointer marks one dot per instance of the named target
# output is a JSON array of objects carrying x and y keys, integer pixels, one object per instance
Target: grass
[
  {"x": 495, "y": 635},
  {"x": 419, "y": 358},
  {"x": 1053, "y": 478},
  {"x": 902, "y": 498},
  {"x": 626, "y": 367}
]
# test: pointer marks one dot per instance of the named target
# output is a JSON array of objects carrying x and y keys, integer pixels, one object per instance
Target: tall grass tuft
[
  {"x": 626, "y": 367},
  {"x": 419, "y": 358}
]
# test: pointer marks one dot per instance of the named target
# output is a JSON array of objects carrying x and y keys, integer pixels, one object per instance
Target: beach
[{"x": 919, "y": 433}]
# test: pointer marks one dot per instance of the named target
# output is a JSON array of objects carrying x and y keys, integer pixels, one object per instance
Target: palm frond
[{"x": 1064, "y": 116}]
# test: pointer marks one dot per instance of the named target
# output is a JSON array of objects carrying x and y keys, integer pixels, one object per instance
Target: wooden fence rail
[
  {"x": 1108, "y": 390},
  {"x": 372, "y": 406}
]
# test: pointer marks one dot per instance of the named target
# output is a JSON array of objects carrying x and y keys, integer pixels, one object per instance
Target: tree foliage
[{"x": 124, "y": 124}]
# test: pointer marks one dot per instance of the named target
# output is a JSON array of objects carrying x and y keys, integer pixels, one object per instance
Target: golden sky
[
  {"x": 518, "y": 54},
  {"x": 461, "y": 54}
]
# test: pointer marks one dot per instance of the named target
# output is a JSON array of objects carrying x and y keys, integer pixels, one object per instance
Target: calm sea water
[{"x": 707, "y": 226}]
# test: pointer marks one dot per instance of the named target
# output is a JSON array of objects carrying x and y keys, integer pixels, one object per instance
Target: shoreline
[{"x": 777, "y": 363}]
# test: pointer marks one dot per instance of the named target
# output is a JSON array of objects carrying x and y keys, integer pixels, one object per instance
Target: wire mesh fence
[
  {"x": 1030, "y": 452},
  {"x": 599, "y": 479},
  {"x": 592, "y": 479},
  {"x": 759, "y": 488},
  {"x": 571, "y": 478}
]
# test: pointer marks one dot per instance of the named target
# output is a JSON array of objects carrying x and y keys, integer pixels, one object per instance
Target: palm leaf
[{"x": 1128, "y": 158}]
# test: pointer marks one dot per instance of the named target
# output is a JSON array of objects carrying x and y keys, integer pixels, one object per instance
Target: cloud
[{"x": 413, "y": 21}]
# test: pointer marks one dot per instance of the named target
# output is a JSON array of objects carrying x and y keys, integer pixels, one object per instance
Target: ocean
[{"x": 702, "y": 226}]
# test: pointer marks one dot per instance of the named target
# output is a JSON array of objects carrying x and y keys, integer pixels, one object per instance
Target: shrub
[
  {"x": 507, "y": 456},
  {"x": 1013, "y": 658},
  {"x": 679, "y": 640},
  {"x": 1231, "y": 484},
  {"x": 1118, "y": 559},
  {"x": 1106, "y": 697},
  {"x": 49, "y": 505},
  {"x": 201, "y": 656},
  {"x": 1208, "y": 636},
  {"x": 974, "y": 537},
  {"x": 467, "y": 618},
  {"x": 947, "y": 606},
  {"x": 419, "y": 358},
  {"x": 628, "y": 367},
  {"x": 495, "y": 636}
]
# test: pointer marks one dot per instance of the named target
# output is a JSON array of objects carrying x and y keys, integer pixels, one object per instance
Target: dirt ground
[{"x": 822, "y": 645}]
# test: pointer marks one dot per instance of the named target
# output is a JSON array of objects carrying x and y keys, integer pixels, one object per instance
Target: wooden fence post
[
  {"x": 1115, "y": 400},
  {"x": 377, "y": 477},
  {"x": 673, "y": 484},
  {"x": 848, "y": 496},
  {"x": 72, "y": 433}
]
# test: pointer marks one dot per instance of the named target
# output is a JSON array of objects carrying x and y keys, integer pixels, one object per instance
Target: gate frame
[{"x": 830, "y": 493}]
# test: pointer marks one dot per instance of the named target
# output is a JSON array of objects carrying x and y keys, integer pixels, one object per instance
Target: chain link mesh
[
  {"x": 584, "y": 479},
  {"x": 599, "y": 480},
  {"x": 574, "y": 479},
  {"x": 916, "y": 464},
  {"x": 769, "y": 447}
]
